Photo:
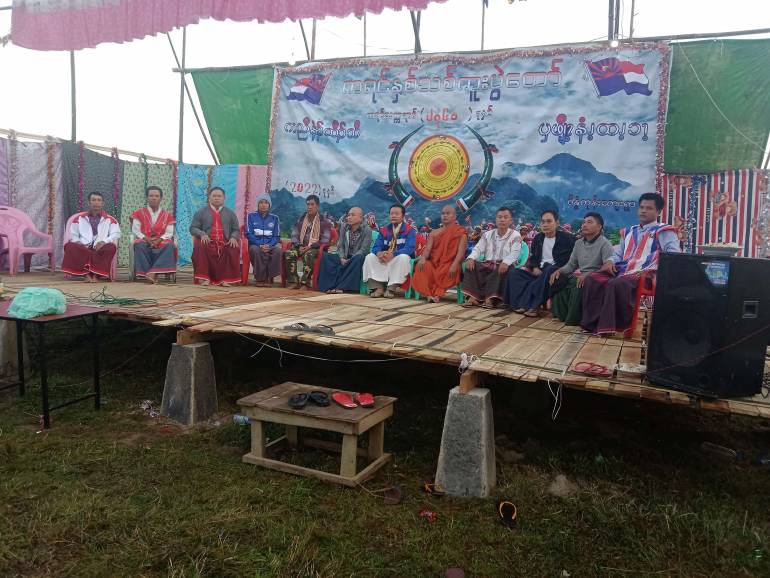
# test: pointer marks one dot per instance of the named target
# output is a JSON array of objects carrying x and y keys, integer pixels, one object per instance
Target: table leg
[
  {"x": 44, "y": 376},
  {"x": 349, "y": 455},
  {"x": 95, "y": 343},
  {"x": 20, "y": 353},
  {"x": 376, "y": 441},
  {"x": 257, "y": 439},
  {"x": 292, "y": 436}
]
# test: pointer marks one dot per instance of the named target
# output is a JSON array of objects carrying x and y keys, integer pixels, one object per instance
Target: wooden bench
[{"x": 271, "y": 405}]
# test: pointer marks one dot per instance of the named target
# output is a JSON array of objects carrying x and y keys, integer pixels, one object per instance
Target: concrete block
[
  {"x": 466, "y": 461},
  {"x": 190, "y": 392}
]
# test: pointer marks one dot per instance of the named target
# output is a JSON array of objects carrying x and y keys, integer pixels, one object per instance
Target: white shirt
[
  {"x": 492, "y": 247},
  {"x": 548, "y": 244},
  {"x": 136, "y": 226}
]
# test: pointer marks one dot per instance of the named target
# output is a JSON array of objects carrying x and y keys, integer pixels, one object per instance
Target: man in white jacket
[{"x": 93, "y": 237}]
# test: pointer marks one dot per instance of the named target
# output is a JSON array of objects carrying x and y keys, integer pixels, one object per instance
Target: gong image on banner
[{"x": 439, "y": 167}]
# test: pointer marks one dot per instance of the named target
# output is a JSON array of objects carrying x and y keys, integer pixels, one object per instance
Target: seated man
[
  {"x": 263, "y": 230},
  {"x": 390, "y": 260},
  {"x": 609, "y": 295},
  {"x": 92, "y": 242},
  {"x": 438, "y": 268},
  {"x": 216, "y": 257},
  {"x": 341, "y": 271},
  {"x": 488, "y": 263},
  {"x": 591, "y": 251},
  {"x": 153, "y": 230},
  {"x": 527, "y": 289},
  {"x": 309, "y": 233}
]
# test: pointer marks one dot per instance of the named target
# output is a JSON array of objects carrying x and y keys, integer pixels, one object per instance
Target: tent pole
[
  {"x": 192, "y": 104},
  {"x": 364, "y": 33},
  {"x": 312, "y": 42},
  {"x": 304, "y": 38},
  {"x": 610, "y": 19},
  {"x": 631, "y": 27},
  {"x": 181, "y": 93},
  {"x": 617, "y": 19},
  {"x": 483, "y": 21},
  {"x": 73, "y": 100},
  {"x": 416, "y": 29}
]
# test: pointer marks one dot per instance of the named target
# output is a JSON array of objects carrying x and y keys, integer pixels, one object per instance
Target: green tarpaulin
[
  {"x": 736, "y": 74},
  {"x": 236, "y": 105},
  {"x": 699, "y": 139}
]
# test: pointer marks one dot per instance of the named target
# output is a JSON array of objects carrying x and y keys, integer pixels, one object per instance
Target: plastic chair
[
  {"x": 132, "y": 240},
  {"x": 645, "y": 288},
  {"x": 13, "y": 224},
  {"x": 113, "y": 266}
]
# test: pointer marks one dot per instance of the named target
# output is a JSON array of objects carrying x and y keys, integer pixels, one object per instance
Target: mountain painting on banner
[{"x": 572, "y": 128}]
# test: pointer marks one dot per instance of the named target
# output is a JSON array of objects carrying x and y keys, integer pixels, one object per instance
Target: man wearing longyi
[
  {"x": 309, "y": 233},
  {"x": 92, "y": 242},
  {"x": 216, "y": 253}
]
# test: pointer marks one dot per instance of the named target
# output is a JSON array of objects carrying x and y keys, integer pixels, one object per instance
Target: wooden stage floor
[{"x": 507, "y": 344}]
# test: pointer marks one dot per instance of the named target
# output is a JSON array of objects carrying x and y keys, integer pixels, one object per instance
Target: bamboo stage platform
[{"x": 507, "y": 344}]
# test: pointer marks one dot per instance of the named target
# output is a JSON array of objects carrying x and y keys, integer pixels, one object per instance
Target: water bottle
[{"x": 240, "y": 419}]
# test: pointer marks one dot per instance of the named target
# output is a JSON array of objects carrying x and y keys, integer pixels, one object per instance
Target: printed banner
[
  {"x": 575, "y": 128},
  {"x": 719, "y": 208}
]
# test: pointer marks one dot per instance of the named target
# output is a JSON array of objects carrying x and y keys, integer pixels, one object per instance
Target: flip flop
[
  {"x": 298, "y": 400},
  {"x": 364, "y": 399},
  {"x": 507, "y": 512},
  {"x": 297, "y": 327},
  {"x": 434, "y": 489},
  {"x": 319, "y": 398},
  {"x": 393, "y": 496},
  {"x": 344, "y": 399},
  {"x": 592, "y": 369},
  {"x": 323, "y": 329}
]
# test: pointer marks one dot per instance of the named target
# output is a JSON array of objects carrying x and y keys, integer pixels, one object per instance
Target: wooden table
[
  {"x": 271, "y": 405},
  {"x": 72, "y": 312}
]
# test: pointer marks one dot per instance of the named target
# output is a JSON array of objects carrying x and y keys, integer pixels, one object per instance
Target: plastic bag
[{"x": 36, "y": 302}]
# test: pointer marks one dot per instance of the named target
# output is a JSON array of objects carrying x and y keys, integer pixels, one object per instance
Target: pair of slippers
[
  {"x": 322, "y": 329},
  {"x": 300, "y": 400},
  {"x": 349, "y": 401}
]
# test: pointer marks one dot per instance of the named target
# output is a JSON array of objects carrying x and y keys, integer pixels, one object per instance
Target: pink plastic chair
[
  {"x": 114, "y": 267},
  {"x": 13, "y": 224}
]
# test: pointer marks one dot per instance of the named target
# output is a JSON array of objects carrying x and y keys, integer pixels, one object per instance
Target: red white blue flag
[
  {"x": 310, "y": 88},
  {"x": 611, "y": 75}
]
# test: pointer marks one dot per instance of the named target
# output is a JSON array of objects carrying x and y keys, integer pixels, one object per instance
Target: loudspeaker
[{"x": 710, "y": 325}]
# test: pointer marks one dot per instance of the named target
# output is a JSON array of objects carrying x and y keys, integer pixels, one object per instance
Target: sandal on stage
[
  {"x": 520, "y": 310},
  {"x": 298, "y": 327},
  {"x": 531, "y": 313},
  {"x": 596, "y": 369},
  {"x": 364, "y": 399},
  {"x": 323, "y": 329},
  {"x": 298, "y": 400},
  {"x": 507, "y": 512},
  {"x": 319, "y": 398},
  {"x": 344, "y": 399}
]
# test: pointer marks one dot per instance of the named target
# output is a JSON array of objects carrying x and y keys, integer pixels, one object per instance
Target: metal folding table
[{"x": 73, "y": 312}]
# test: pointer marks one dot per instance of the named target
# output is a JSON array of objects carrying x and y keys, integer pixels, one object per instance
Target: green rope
[{"x": 103, "y": 298}]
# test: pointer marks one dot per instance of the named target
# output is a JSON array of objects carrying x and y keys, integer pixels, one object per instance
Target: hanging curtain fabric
[
  {"x": 86, "y": 171},
  {"x": 722, "y": 207},
  {"x": 251, "y": 183},
  {"x": 3, "y": 171},
  {"x": 76, "y": 24}
]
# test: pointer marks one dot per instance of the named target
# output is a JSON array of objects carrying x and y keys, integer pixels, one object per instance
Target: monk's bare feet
[
  {"x": 431, "y": 299},
  {"x": 152, "y": 278}
]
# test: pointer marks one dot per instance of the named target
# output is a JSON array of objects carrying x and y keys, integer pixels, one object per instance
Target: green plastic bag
[{"x": 36, "y": 302}]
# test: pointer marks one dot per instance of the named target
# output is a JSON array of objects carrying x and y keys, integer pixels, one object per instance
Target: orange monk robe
[{"x": 434, "y": 279}]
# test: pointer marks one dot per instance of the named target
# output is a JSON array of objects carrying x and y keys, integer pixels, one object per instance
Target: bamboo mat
[{"x": 506, "y": 344}]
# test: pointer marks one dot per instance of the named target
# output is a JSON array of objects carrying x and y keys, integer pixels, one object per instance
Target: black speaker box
[{"x": 710, "y": 325}]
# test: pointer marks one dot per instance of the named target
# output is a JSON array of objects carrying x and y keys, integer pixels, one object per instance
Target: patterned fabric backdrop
[
  {"x": 32, "y": 195},
  {"x": 194, "y": 181},
  {"x": 252, "y": 180},
  {"x": 715, "y": 208},
  {"x": 98, "y": 173},
  {"x": 3, "y": 171},
  {"x": 135, "y": 175}
]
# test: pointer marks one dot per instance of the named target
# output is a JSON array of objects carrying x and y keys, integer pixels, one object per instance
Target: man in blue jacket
[
  {"x": 387, "y": 266},
  {"x": 263, "y": 230}
]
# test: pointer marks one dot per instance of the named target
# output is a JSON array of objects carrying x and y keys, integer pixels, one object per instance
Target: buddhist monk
[{"x": 438, "y": 268}]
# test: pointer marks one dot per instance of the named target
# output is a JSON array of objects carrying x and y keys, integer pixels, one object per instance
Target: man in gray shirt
[{"x": 590, "y": 252}]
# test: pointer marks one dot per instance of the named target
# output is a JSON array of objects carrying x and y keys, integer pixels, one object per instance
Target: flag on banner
[
  {"x": 311, "y": 88},
  {"x": 611, "y": 75},
  {"x": 725, "y": 208}
]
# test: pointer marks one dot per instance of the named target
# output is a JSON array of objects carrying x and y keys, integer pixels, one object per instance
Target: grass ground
[{"x": 117, "y": 493}]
